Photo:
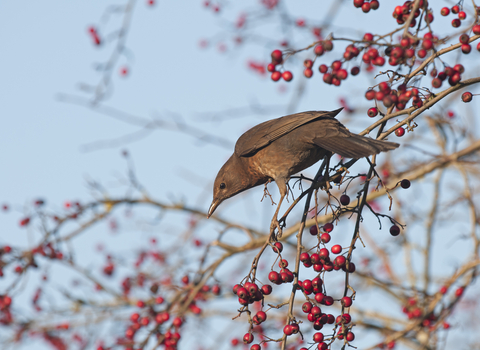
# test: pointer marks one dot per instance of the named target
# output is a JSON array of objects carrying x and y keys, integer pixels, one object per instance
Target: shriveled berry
[
  {"x": 456, "y": 23},
  {"x": 405, "y": 183},
  {"x": 394, "y": 230},
  {"x": 328, "y": 227},
  {"x": 344, "y": 199}
]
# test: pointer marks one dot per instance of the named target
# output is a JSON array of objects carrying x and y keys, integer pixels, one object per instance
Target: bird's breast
[{"x": 284, "y": 157}]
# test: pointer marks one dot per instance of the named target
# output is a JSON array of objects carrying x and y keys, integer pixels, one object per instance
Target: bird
[{"x": 279, "y": 148}]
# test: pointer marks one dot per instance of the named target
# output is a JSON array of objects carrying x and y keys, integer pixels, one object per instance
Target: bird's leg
[
  {"x": 327, "y": 172},
  {"x": 282, "y": 186},
  {"x": 275, "y": 223}
]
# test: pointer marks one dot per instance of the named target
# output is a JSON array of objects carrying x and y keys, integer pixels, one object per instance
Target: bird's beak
[{"x": 213, "y": 206}]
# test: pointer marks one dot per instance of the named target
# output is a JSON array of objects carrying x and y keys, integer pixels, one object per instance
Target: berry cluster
[
  {"x": 402, "y": 13},
  {"x": 391, "y": 97},
  {"x": 453, "y": 74},
  {"x": 5, "y": 314},
  {"x": 445, "y": 11},
  {"x": 313, "y": 290},
  {"x": 366, "y": 6}
]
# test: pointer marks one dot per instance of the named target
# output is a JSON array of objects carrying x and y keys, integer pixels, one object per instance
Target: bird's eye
[{"x": 222, "y": 186}]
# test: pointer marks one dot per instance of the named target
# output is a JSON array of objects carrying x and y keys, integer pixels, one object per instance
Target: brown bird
[{"x": 279, "y": 148}]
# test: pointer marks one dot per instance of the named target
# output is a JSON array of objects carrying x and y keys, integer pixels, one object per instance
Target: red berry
[
  {"x": 261, "y": 316},
  {"x": 366, "y": 7},
  {"x": 308, "y": 72},
  {"x": 455, "y": 9},
  {"x": 422, "y": 53},
  {"x": 339, "y": 261},
  {"x": 374, "y": 4},
  {"x": 372, "y": 112},
  {"x": 400, "y": 132},
  {"x": 466, "y": 48},
  {"x": 323, "y": 254},
  {"x": 287, "y": 75},
  {"x": 319, "y": 50},
  {"x": 247, "y": 338},
  {"x": 358, "y": 3},
  {"x": 276, "y": 76},
  {"x": 266, "y": 289},
  {"x": 308, "y": 63},
  {"x": 368, "y": 37},
  {"x": 322, "y": 346},
  {"x": 476, "y": 29},
  {"x": 462, "y": 15},
  {"x": 427, "y": 44},
  {"x": 350, "y": 336},
  {"x": 459, "y": 291},
  {"x": 445, "y": 11},
  {"x": 370, "y": 95},
  {"x": 318, "y": 337},
  {"x": 323, "y": 68},
  {"x": 277, "y": 247},
  {"x": 307, "y": 307},
  {"x": 325, "y": 237},
  {"x": 346, "y": 301},
  {"x": 304, "y": 257},
  {"x": 287, "y": 330},
  {"x": 336, "y": 65},
  {"x": 336, "y": 249},
  {"x": 429, "y": 19},
  {"x": 467, "y": 97},
  {"x": 443, "y": 290},
  {"x": 271, "y": 67},
  {"x": 277, "y": 56}
]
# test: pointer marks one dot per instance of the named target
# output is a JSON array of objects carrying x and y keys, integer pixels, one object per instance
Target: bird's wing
[
  {"x": 334, "y": 137},
  {"x": 265, "y": 133}
]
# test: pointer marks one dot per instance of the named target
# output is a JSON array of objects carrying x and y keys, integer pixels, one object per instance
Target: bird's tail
[{"x": 356, "y": 146}]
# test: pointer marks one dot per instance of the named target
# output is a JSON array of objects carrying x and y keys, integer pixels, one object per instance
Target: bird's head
[{"x": 230, "y": 180}]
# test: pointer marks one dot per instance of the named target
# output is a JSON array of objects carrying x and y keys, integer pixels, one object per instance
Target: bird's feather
[
  {"x": 265, "y": 133},
  {"x": 353, "y": 146}
]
